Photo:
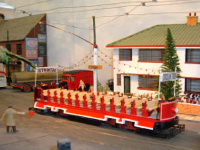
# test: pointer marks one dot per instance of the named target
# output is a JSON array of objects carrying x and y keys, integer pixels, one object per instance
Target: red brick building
[{"x": 26, "y": 37}]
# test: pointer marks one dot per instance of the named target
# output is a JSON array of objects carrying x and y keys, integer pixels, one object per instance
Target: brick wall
[{"x": 193, "y": 109}]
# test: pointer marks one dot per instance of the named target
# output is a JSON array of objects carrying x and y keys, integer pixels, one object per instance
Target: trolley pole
[
  {"x": 8, "y": 66},
  {"x": 95, "y": 57}
]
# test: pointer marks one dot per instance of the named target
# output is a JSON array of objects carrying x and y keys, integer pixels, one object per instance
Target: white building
[{"x": 138, "y": 57}]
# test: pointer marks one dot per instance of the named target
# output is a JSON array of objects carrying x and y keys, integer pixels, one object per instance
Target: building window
[
  {"x": 42, "y": 28},
  {"x": 8, "y": 46},
  {"x": 42, "y": 50},
  {"x": 148, "y": 82},
  {"x": 125, "y": 54},
  {"x": 19, "y": 49},
  {"x": 192, "y": 85},
  {"x": 119, "y": 79},
  {"x": 193, "y": 55},
  {"x": 151, "y": 54}
]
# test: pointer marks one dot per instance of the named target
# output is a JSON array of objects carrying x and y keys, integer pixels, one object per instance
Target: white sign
[
  {"x": 46, "y": 69},
  {"x": 42, "y": 38},
  {"x": 169, "y": 76}
]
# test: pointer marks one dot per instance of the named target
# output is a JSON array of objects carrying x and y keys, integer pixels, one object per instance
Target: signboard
[
  {"x": 46, "y": 69},
  {"x": 40, "y": 61},
  {"x": 29, "y": 68},
  {"x": 94, "y": 66},
  {"x": 42, "y": 38},
  {"x": 168, "y": 76},
  {"x": 31, "y": 54},
  {"x": 31, "y": 43}
]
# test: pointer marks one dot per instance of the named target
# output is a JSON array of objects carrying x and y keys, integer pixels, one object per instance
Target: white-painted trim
[{"x": 105, "y": 117}]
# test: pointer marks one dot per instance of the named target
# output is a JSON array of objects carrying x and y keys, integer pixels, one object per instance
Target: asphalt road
[{"x": 43, "y": 131}]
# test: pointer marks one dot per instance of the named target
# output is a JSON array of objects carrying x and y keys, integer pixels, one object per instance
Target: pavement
[
  {"x": 30, "y": 137},
  {"x": 189, "y": 117}
]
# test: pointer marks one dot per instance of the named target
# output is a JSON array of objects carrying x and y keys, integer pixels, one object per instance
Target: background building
[
  {"x": 138, "y": 57},
  {"x": 24, "y": 36}
]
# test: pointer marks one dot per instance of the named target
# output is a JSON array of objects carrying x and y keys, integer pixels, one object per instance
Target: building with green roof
[
  {"x": 137, "y": 58},
  {"x": 25, "y": 36}
]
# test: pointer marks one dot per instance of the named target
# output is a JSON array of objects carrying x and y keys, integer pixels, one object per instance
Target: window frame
[
  {"x": 44, "y": 53},
  {"x": 19, "y": 49},
  {"x": 188, "y": 58},
  {"x": 8, "y": 47},
  {"x": 147, "y": 80},
  {"x": 188, "y": 85},
  {"x": 150, "y": 57},
  {"x": 124, "y": 56},
  {"x": 42, "y": 28},
  {"x": 119, "y": 83}
]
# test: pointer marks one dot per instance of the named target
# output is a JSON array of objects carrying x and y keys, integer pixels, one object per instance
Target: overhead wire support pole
[
  {"x": 159, "y": 84},
  {"x": 95, "y": 57},
  {"x": 175, "y": 84}
]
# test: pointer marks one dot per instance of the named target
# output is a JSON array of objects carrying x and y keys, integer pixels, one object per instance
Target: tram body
[{"x": 165, "y": 122}]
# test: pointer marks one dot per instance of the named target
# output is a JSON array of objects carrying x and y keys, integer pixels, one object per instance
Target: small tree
[
  {"x": 6, "y": 56},
  {"x": 171, "y": 61}
]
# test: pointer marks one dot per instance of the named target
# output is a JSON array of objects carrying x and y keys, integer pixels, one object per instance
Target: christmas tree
[{"x": 171, "y": 62}]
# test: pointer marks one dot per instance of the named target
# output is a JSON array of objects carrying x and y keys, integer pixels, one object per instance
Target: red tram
[{"x": 165, "y": 122}]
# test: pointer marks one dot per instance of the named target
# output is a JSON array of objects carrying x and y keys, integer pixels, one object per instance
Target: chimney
[
  {"x": 192, "y": 20},
  {"x": 1, "y": 17}
]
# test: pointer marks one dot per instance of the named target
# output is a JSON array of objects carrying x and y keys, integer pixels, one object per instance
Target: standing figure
[
  {"x": 9, "y": 116},
  {"x": 81, "y": 85}
]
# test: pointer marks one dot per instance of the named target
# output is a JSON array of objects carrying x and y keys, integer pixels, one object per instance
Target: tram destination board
[{"x": 168, "y": 76}]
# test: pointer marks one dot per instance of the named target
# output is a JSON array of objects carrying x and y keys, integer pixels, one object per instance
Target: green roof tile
[
  {"x": 18, "y": 28},
  {"x": 156, "y": 36}
]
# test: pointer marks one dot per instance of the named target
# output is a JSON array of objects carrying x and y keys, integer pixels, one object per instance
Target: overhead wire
[
  {"x": 33, "y": 4},
  {"x": 150, "y": 5},
  {"x": 72, "y": 26},
  {"x": 118, "y": 16}
]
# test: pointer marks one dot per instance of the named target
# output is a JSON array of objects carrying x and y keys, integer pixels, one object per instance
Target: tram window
[{"x": 72, "y": 79}]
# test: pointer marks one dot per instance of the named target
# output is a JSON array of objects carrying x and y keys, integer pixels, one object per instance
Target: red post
[
  {"x": 77, "y": 101},
  {"x": 97, "y": 93},
  {"x": 133, "y": 109},
  {"x": 106, "y": 92},
  {"x": 42, "y": 96},
  {"x": 82, "y": 90},
  {"x": 55, "y": 97},
  {"x": 112, "y": 106},
  {"x": 131, "y": 95},
  {"x": 85, "y": 105},
  {"x": 151, "y": 97},
  {"x": 61, "y": 98},
  {"x": 141, "y": 97},
  {"x": 69, "y": 99},
  {"x": 103, "y": 105},
  {"x": 114, "y": 93},
  {"x": 123, "y": 108},
  {"x": 48, "y": 97},
  {"x": 145, "y": 110},
  {"x": 122, "y": 94},
  {"x": 93, "y": 103}
]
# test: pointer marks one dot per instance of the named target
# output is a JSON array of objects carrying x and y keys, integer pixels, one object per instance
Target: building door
[{"x": 127, "y": 85}]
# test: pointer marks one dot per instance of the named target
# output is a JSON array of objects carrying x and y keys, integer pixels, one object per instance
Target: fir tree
[{"x": 171, "y": 61}]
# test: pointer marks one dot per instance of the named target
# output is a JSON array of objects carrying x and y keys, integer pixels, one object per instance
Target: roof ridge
[
  {"x": 155, "y": 35},
  {"x": 24, "y": 17}
]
